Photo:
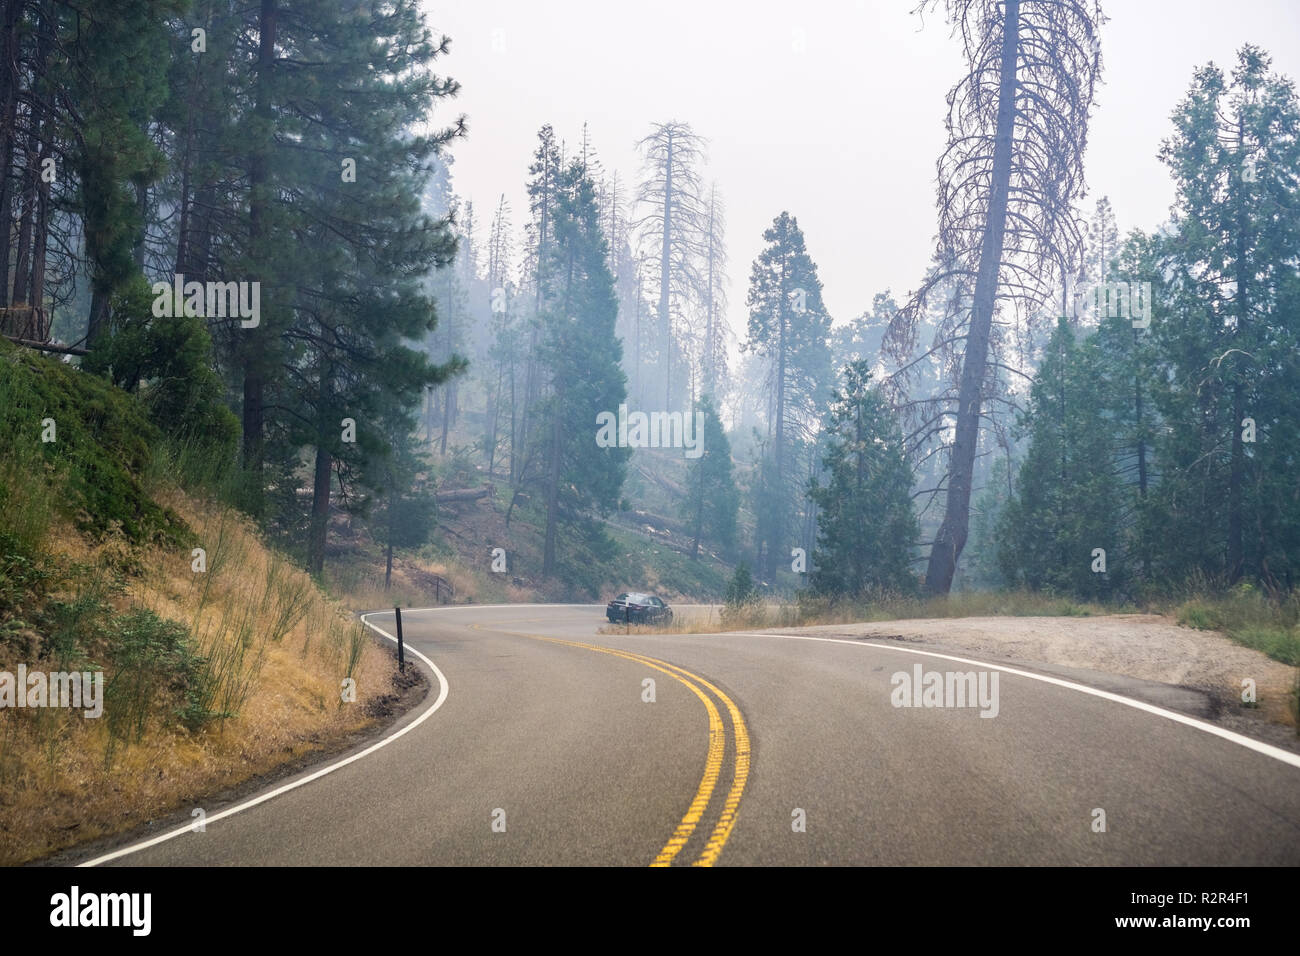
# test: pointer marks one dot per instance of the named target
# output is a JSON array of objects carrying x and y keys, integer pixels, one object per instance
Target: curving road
[{"x": 538, "y": 745}]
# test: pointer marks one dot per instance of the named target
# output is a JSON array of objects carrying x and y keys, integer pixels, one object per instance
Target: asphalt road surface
[{"x": 541, "y": 743}]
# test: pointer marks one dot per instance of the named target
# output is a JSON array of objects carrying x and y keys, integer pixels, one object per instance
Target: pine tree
[
  {"x": 789, "y": 326},
  {"x": 740, "y": 590},
  {"x": 200, "y": 117},
  {"x": 503, "y": 352},
  {"x": 351, "y": 281},
  {"x": 405, "y": 510},
  {"x": 334, "y": 232},
  {"x": 1101, "y": 244},
  {"x": 581, "y": 357},
  {"x": 1127, "y": 377},
  {"x": 104, "y": 84},
  {"x": 454, "y": 288},
  {"x": 866, "y": 529},
  {"x": 543, "y": 198},
  {"x": 981, "y": 560},
  {"x": 860, "y": 339},
  {"x": 712, "y": 504},
  {"x": 1230, "y": 341},
  {"x": 1066, "y": 502}
]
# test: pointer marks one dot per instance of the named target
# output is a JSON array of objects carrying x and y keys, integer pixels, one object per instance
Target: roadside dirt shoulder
[{"x": 1143, "y": 647}]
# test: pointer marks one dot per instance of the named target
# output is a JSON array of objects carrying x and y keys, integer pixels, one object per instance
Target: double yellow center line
[{"x": 712, "y": 764}]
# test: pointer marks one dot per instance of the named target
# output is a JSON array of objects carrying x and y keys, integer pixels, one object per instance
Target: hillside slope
[{"x": 217, "y": 664}]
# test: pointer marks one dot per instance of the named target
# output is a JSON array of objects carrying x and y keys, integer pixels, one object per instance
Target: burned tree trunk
[
  {"x": 951, "y": 538},
  {"x": 1008, "y": 178}
]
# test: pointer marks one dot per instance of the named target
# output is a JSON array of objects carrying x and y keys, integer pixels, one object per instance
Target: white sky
[{"x": 832, "y": 110}]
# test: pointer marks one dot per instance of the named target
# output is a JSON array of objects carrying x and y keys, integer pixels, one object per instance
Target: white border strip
[
  {"x": 293, "y": 785},
  {"x": 1268, "y": 750}
]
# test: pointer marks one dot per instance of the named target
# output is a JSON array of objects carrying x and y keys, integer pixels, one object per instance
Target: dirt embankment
[
  {"x": 1145, "y": 656},
  {"x": 1144, "y": 647},
  {"x": 65, "y": 780}
]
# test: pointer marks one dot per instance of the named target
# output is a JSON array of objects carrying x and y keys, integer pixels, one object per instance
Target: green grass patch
[
  {"x": 639, "y": 560},
  {"x": 1250, "y": 617},
  {"x": 961, "y": 604},
  {"x": 79, "y": 448},
  {"x": 92, "y": 469}
]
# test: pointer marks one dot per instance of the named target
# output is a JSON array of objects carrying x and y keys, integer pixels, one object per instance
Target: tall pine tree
[
  {"x": 581, "y": 358},
  {"x": 1066, "y": 504},
  {"x": 866, "y": 529},
  {"x": 789, "y": 326}
]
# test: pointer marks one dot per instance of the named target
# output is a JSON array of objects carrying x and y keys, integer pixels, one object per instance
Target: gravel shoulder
[{"x": 1144, "y": 655}]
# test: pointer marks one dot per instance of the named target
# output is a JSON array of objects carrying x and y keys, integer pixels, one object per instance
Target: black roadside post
[
  {"x": 627, "y": 619},
  {"x": 401, "y": 654}
]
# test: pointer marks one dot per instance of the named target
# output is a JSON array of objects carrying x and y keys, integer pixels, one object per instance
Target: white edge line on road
[
  {"x": 1268, "y": 750},
  {"x": 316, "y": 775}
]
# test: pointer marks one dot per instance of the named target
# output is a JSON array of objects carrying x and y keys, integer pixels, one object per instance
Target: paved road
[{"x": 545, "y": 751}]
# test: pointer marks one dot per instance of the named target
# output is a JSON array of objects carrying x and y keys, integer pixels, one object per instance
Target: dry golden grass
[
  {"x": 63, "y": 781},
  {"x": 360, "y": 585},
  {"x": 1149, "y": 647},
  {"x": 705, "y": 619},
  {"x": 365, "y": 592},
  {"x": 715, "y": 619}
]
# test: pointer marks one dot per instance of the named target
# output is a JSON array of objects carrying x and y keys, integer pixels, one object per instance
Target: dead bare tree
[
  {"x": 1008, "y": 178},
  {"x": 714, "y": 358},
  {"x": 503, "y": 349},
  {"x": 673, "y": 228}
]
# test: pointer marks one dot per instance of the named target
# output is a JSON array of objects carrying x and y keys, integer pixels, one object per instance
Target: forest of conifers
[{"x": 246, "y": 214}]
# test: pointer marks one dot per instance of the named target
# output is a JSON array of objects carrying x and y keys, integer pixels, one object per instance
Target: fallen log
[
  {"x": 48, "y": 346},
  {"x": 462, "y": 494}
]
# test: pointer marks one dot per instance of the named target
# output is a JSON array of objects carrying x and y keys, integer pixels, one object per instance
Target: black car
[{"x": 636, "y": 608}]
